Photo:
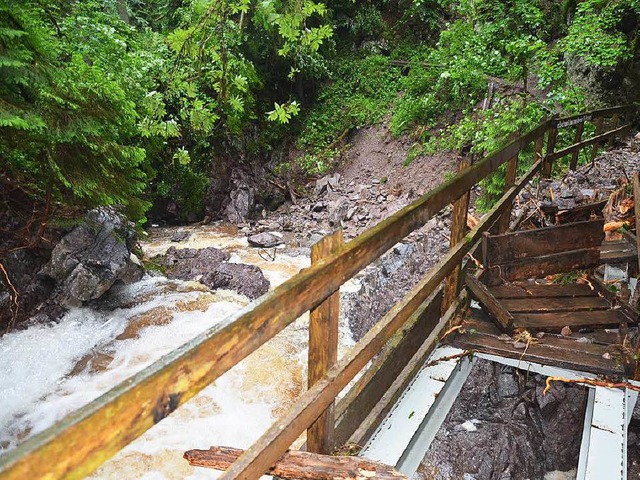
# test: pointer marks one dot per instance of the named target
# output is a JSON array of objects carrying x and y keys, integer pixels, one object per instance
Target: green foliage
[
  {"x": 596, "y": 34},
  {"x": 359, "y": 94},
  {"x": 123, "y": 102},
  {"x": 67, "y": 126}
]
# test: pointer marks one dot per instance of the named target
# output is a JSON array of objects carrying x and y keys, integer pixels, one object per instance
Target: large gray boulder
[
  {"x": 210, "y": 267},
  {"x": 265, "y": 240},
  {"x": 90, "y": 259}
]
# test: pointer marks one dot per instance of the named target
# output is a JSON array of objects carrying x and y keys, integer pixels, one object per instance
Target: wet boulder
[
  {"x": 210, "y": 267},
  {"x": 189, "y": 263},
  {"x": 90, "y": 259},
  {"x": 265, "y": 240},
  {"x": 247, "y": 280}
]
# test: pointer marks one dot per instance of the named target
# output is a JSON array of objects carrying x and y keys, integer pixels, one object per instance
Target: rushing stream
[{"x": 48, "y": 371}]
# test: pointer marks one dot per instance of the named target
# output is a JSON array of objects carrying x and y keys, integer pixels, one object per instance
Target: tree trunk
[{"x": 299, "y": 465}]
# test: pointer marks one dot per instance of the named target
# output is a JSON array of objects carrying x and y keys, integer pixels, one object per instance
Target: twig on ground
[{"x": 589, "y": 381}]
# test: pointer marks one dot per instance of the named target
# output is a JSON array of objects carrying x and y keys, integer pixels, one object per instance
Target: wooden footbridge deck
[{"x": 409, "y": 377}]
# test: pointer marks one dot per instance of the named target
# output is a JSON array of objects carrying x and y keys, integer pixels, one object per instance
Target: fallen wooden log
[{"x": 296, "y": 464}]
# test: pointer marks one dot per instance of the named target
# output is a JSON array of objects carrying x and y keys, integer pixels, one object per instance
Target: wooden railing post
[
  {"x": 510, "y": 180},
  {"x": 614, "y": 125},
  {"x": 458, "y": 230},
  {"x": 551, "y": 147},
  {"x": 323, "y": 348},
  {"x": 594, "y": 152},
  {"x": 577, "y": 139}
]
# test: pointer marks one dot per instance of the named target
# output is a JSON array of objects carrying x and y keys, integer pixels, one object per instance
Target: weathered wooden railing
[{"x": 399, "y": 342}]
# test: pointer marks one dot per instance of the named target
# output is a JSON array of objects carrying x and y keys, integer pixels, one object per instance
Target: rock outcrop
[
  {"x": 83, "y": 265},
  {"x": 92, "y": 258}
]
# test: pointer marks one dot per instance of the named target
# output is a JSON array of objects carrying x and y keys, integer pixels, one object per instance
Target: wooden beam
[
  {"x": 299, "y": 465},
  {"x": 598, "y": 123},
  {"x": 132, "y": 407},
  {"x": 533, "y": 291},
  {"x": 278, "y": 438},
  {"x": 591, "y": 115},
  {"x": 510, "y": 179},
  {"x": 541, "y": 266},
  {"x": 580, "y": 213},
  {"x": 602, "y": 289},
  {"x": 458, "y": 228},
  {"x": 378, "y": 413},
  {"x": 323, "y": 347},
  {"x": 543, "y": 241},
  {"x": 576, "y": 140},
  {"x": 385, "y": 368},
  {"x": 614, "y": 125},
  {"x": 636, "y": 204},
  {"x": 555, "y": 322},
  {"x": 490, "y": 303},
  {"x": 555, "y": 304},
  {"x": 562, "y": 352},
  {"x": 551, "y": 145},
  {"x": 591, "y": 141}
]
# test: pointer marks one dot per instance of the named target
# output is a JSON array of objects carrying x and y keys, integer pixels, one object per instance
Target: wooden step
[
  {"x": 575, "y": 320},
  {"x": 529, "y": 290},
  {"x": 481, "y": 335},
  {"x": 557, "y": 304}
]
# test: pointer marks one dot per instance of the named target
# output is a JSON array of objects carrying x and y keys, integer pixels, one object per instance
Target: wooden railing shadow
[{"x": 397, "y": 344}]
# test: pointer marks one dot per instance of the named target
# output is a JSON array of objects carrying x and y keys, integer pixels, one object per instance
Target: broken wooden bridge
[{"x": 415, "y": 360}]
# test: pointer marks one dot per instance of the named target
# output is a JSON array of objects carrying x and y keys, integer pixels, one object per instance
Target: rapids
[{"x": 48, "y": 371}]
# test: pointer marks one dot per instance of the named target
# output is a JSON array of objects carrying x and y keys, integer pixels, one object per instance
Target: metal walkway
[{"x": 405, "y": 435}]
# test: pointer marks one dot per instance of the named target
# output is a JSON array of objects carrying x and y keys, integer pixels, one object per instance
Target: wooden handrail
[
  {"x": 591, "y": 141},
  {"x": 257, "y": 459},
  {"x": 129, "y": 409},
  {"x": 591, "y": 115}
]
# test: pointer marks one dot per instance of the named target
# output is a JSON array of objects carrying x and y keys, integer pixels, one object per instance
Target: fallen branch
[
  {"x": 466, "y": 353},
  {"x": 14, "y": 306},
  {"x": 299, "y": 465},
  {"x": 588, "y": 381}
]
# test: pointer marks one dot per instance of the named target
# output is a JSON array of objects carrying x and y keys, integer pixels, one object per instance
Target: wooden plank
[
  {"x": 554, "y": 322},
  {"x": 614, "y": 125},
  {"x": 618, "y": 252},
  {"x": 588, "y": 116},
  {"x": 636, "y": 204},
  {"x": 277, "y": 439},
  {"x": 598, "y": 123},
  {"x": 385, "y": 368},
  {"x": 551, "y": 340},
  {"x": 580, "y": 213},
  {"x": 559, "y": 304},
  {"x": 539, "y": 143},
  {"x": 577, "y": 139},
  {"x": 543, "y": 241},
  {"x": 541, "y": 291},
  {"x": 458, "y": 228},
  {"x": 489, "y": 302},
  {"x": 510, "y": 179},
  {"x": 548, "y": 159},
  {"x": 540, "y": 267},
  {"x": 132, "y": 407},
  {"x": 571, "y": 358},
  {"x": 627, "y": 310},
  {"x": 599, "y": 137},
  {"x": 323, "y": 348},
  {"x": 365, "y": 430},
  {"x": 299, "y": 465}
]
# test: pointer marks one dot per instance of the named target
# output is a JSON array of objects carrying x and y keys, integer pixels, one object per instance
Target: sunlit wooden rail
[{"x": 82, "y": 441}]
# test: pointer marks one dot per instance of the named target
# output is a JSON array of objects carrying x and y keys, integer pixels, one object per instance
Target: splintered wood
[{"x": 303, "y": 465}]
